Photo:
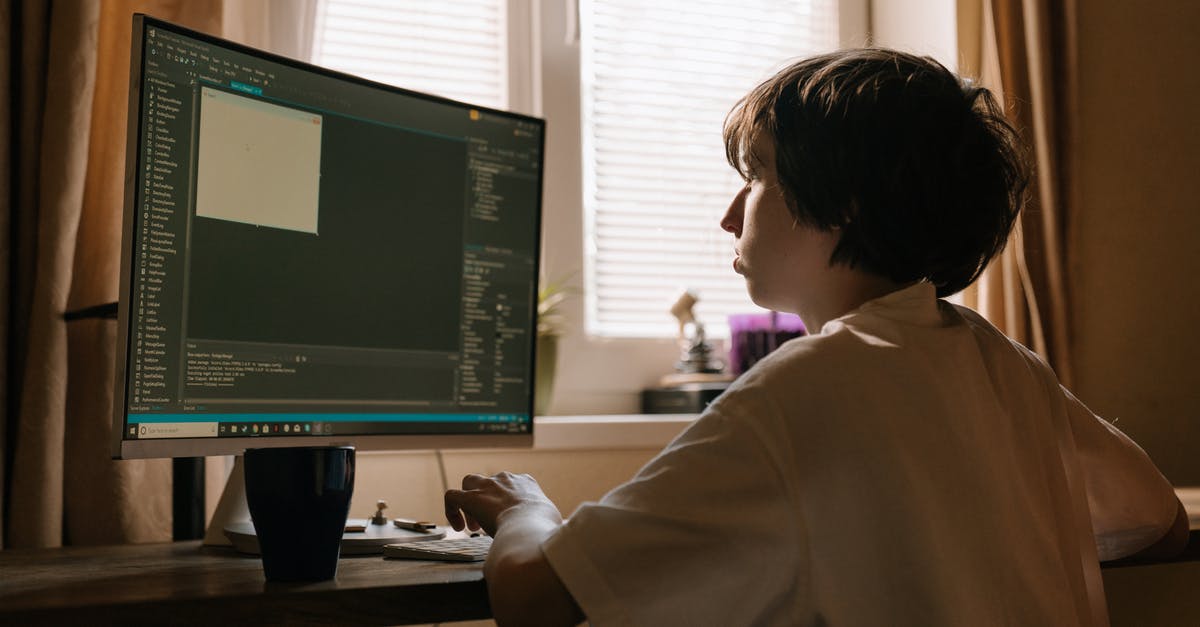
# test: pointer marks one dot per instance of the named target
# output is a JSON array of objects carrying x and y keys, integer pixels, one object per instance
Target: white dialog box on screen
[{"x": 258, "y": 163}]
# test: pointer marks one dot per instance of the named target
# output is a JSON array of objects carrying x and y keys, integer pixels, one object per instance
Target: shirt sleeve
[
  {"x": 704, "y": 534},
  {"x": 1132, "y": 505}
]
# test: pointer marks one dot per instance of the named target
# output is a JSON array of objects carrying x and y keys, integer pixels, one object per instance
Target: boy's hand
[
  {"x": 483, "y": 501},
  {"x": 522, "y": 586}
]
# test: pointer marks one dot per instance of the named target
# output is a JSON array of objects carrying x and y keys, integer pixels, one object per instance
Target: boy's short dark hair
[{"x": 919, "y": 170}]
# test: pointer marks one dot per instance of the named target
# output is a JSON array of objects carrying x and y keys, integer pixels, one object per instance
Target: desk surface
[{"x": 183, "y": 583}]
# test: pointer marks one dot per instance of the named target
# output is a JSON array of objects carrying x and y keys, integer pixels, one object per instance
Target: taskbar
[{"x": 162, "y": 426}]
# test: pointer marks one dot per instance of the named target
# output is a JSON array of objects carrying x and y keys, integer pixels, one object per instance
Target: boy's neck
[{"x": 847, "y": 290}]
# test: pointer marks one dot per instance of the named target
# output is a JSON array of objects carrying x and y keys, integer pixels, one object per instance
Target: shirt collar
[{"x": 916, "y": 304}]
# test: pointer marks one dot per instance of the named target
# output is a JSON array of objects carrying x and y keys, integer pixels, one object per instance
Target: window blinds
[
  {"x": 454, "y": 49},
  {"x": 658, "y": 79}
]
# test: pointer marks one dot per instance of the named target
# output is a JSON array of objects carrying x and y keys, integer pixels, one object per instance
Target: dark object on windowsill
[{"x": 685, "y": 398}]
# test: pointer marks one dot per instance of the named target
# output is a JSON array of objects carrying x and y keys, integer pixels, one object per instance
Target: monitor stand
[
  {"x": 231, "y": 525},
  {"x": 231, "y": 508}
]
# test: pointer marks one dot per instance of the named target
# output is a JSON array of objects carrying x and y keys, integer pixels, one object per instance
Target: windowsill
[{"x": 618, "y": 431}]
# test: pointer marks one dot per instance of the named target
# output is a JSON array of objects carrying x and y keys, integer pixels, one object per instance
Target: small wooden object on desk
[{"x": 379, "y": 518}]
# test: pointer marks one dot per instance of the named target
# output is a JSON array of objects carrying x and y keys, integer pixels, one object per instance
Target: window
[
  {"x": 454, "y": 49},
  {"x": 657, "y": 80}
]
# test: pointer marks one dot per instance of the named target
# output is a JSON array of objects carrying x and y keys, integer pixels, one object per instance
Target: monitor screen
[{"x": 311, "y": 258}]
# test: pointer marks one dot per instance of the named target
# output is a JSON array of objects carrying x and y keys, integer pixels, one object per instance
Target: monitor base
[{"x": 231, "y": 508}]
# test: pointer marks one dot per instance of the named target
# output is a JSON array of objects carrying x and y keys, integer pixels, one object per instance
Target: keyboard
[{"x": 473, "y": 549}]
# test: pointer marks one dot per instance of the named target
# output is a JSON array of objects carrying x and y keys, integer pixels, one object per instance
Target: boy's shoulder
[
  {"x": 993, "y": 340},
  {"x": 838, "y": 352},
  {"x": 858, "y": 356},
  {"x": 812, "y": 363}
]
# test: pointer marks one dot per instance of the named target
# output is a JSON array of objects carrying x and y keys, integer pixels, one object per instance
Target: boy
[{"x": 905, "y": 463}]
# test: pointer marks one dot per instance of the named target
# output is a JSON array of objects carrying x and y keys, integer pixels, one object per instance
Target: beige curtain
[
  {"x": 1024, "y": 51},
  {"x": 63, "y": 180}
]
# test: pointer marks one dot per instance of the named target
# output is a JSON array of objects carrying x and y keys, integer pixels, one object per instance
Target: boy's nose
[{"x": 732, "y": 220}]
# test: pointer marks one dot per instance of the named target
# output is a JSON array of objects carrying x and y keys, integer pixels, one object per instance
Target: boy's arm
[
  {"x": 522, "y": 587},
  {"x": 1134, "y": 508}
]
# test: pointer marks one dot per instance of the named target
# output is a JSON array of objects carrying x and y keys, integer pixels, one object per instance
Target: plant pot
[{"x": 543, "y": 381}]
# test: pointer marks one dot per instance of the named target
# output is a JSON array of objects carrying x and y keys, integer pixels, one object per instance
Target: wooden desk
[{"x": 184, "y": 584}]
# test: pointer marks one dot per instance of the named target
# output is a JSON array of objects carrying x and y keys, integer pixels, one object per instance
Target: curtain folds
[
  {"x": 67, "y": 90},
  {"x": 55, "y": 161},
  {"x": 1024, "y": 51}
]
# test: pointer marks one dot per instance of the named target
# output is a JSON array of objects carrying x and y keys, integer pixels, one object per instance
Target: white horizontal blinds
[
  {"x": 457, "y": 49},
  {"x": 658, "y": 79}
]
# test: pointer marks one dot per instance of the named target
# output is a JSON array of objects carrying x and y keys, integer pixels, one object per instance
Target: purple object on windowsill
[{"x": 754, "y": 336}]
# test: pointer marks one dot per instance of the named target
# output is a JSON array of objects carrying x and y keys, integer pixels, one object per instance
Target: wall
[
  {"x": 411, "y": 482},
  {"x": 574, "y": 458},
  {"x": 1133, "y": 285}
]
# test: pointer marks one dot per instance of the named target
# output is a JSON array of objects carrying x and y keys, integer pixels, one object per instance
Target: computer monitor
[{"x": 314, "y": 259}]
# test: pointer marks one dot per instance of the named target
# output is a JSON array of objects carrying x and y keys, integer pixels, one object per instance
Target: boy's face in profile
[{"x": 785, "y": 263}]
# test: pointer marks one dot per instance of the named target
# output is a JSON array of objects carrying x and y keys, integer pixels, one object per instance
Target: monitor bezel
[{"x": 197, "y": 447}]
